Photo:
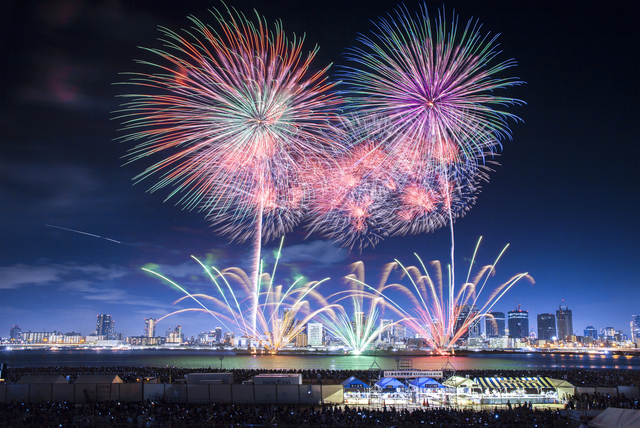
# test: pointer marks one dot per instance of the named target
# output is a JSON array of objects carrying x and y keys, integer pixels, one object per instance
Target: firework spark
[
  {"x": 426, "y": 96},
  {"x": 352, "y": 195},
  {"x": 437, "y": 318},
  {"x": 434, "y": 83},
  {"x": 359, "y": 331},
  {"x": 277, "y": 307},
  {"x": 374, "y": 189},
  {"x": 236, "y": 115}
]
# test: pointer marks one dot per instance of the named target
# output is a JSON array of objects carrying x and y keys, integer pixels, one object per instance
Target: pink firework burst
[
  {"x": 437, "y": 85},
  {"x": 353, "y": 195},
  {"x": 235, "y": 114}
]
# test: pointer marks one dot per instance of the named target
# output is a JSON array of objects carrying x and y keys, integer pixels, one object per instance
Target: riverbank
[{"x": 334, "y": 352}]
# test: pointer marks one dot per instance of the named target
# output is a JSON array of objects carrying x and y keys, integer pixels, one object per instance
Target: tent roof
[
  {"x": 622, "y": 418},
  {"x": 459, "y": 381},
  {"x": 354, "y": 382},
  {"x": 514, "y": 382},
  {"x": 42, "y": 379},
  {"x": 560, "y": 383},
  {"x": 390, "y": 382},
  {"x": 105, "y": 378},
  {"x": 426, "y": 382}
]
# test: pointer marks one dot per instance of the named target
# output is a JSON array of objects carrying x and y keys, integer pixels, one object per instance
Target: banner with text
[{"x": 413, "y": 373}]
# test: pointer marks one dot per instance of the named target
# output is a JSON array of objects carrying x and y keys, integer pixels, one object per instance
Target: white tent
[
  {"x": 564, "y": 388},
  {"x": 620, "y": 418}
]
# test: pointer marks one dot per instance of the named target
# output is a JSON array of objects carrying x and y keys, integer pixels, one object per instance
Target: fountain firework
[
  {"x": 441, "y": 321},
  {"x": 359, "y": 331},
  {"x": 277, "y": 306}
]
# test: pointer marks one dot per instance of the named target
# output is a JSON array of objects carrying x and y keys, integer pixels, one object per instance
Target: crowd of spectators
[
  {"x": 599, "y": 401},
  {"x": 577, "y": 377},
  {"x": 161, "y": 414},
  {"x": 165, "y": 414}
]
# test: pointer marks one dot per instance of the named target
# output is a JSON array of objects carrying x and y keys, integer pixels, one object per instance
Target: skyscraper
[
  {"x": 359, "y": 320},
  {"x": 635, "y": 327},
  {"x": 15, "y": 336},
  {"x": 466, "y": 312},
  {"x": 175, "y": 335},
  {"x": 518, "y": 323},
  {"x": 494, "y": 324},
  {"x": 590, "y": 331},
  {"x": 547, "y": 327},
  {"x": 400, "y": 332},
  {"x": 314, "y": 333},
  {"x": 386, "y": 330},
  {"x": 565, "y": 323},
  {"x": 149, "y": 327},
  {"x": 105, "y": 326},
  {"x": 218, "y": 334}
]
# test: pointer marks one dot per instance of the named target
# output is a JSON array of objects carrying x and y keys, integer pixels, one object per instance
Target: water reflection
[{"x": 199, "y": 359}]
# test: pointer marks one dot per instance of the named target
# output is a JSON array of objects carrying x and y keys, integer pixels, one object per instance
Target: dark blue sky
[{"x": 565, "y": 196}]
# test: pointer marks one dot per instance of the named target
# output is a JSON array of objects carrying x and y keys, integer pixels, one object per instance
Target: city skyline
[
  {"x": 76, "y": 233},
  {"x": 493, "y": 325}
]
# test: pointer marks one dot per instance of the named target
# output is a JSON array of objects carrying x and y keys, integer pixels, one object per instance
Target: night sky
[{"x": 565, "y": 196}]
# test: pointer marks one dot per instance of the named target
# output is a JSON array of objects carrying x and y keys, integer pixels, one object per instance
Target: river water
[{"x": 207, "y": 358}]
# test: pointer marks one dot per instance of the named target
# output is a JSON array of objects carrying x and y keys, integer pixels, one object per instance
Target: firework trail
[
  {"x": 235, "y": 115},
  {"x": 83, "y": 233},
  {"x": 437, "y": 86},
  {"x": 359, "y": 331},
  {"x": 277, "y": 309},
  {"x": 437, "y": 318}
]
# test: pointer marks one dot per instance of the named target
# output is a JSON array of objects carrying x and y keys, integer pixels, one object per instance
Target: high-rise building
[
  {"x": 400, "y": 332},
  {"x": 314, "y": 334},
  {"x": 565, "y": 322},
  {"x": 149, "y": 327},
  {"x": 229, "y": 338},
  {"x": 494, "y": 324},
  {"x": 302, "y": 340},
  {"x": 218, "y": 334},
  {"x": 15, "y": 336},
  {"x": 518, "y": 323},
  {"x": 105, "y": 326},
  {"x": 590, "y": 331},
  {"x": 475, "y": 329},
  {"x": 175, "y": 335},
  {"x": 386, "y": 330},
  {"x": 607, "y": 334},
  {"x": 635, "y": 327},
  {"x": 465, "y": 313},
  {"x": 547, "y": 327}
]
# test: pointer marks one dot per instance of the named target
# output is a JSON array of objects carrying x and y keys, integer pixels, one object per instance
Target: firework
[
  {"x": 277, "y": 307},
  {"x": 373, "y": 188},
  {"x": 360, "y": 330},
  {"x": 236, "y": 115},
  {"x": 436, "y": 85},
  {"x": 438, "y": 318},
  {"x": 353, "y": 193}
]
